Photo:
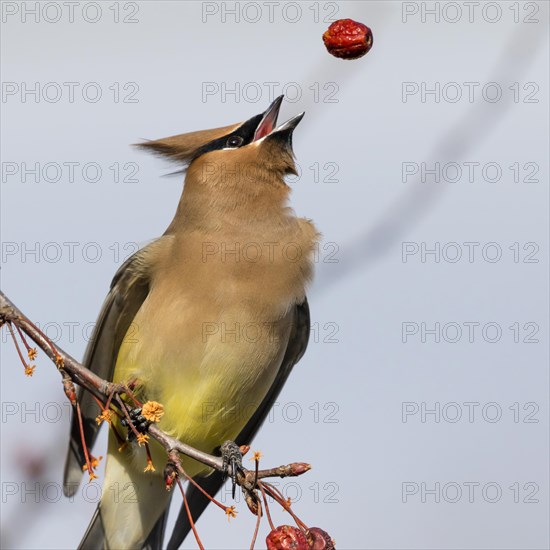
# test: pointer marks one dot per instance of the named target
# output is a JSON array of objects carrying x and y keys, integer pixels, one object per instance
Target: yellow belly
[{"x": 209, "y": 366}]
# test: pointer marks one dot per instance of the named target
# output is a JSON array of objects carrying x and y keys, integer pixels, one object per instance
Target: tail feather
[
  {"x": 156, "y": 537},
  {"x": 134, "y": 504},
  {"x": 94, "y": 538}
]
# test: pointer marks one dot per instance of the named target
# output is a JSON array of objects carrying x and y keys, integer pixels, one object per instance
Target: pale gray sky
[{"x": 466, "y": 257}]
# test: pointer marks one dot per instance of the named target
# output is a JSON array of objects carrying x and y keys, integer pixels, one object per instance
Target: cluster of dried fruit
[{"x": 287, "y": 537}]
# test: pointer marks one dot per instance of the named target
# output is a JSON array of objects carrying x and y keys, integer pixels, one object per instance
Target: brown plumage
[{"x": 235, "y": 256}]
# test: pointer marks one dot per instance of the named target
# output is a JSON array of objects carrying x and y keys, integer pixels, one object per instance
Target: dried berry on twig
[{"x": 286, "y": 537}]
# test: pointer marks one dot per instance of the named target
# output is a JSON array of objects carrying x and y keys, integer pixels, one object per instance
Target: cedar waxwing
[{"x": 208, "y": 319}]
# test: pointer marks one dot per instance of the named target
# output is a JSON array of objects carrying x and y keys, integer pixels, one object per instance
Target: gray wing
[
  {"x": 296, "y": 348},
  {"x": 129, "y": 289}
]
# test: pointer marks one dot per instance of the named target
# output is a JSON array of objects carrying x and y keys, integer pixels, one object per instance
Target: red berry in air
[
  {"x": 286, "y": 537},
  {"x": 348, "y": 39}
]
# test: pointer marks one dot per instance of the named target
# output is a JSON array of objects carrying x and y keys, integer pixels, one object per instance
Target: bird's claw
[{"x": 232, "y": 456}]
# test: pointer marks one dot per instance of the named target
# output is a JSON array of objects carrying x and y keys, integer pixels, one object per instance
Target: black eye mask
[{"x": 240, "y": 137}]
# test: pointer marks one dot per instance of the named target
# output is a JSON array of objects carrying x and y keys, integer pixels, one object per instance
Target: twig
[
  {"x": 100, "y": 388},
  {"x": 189, "y": 516}
]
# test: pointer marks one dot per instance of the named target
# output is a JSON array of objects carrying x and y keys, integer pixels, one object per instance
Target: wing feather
[{"x": 129, "y": 289}]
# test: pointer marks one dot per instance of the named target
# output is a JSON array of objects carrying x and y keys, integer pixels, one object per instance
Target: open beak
[{"x": 269, "y": 120}]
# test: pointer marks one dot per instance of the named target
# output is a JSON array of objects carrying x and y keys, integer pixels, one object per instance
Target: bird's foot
[
  {"x": 232, "y": 457},
  {"x": 140, "y": 423}
]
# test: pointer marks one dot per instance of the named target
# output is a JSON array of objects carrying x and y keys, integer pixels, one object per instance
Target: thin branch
[{"x": 100, "y": 388}]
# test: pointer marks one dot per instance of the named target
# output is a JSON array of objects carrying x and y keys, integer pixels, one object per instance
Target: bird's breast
[{"x": 209, "y": 338}]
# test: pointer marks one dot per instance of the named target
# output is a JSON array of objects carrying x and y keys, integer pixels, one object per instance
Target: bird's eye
[{"x": 235, "y": 141}]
